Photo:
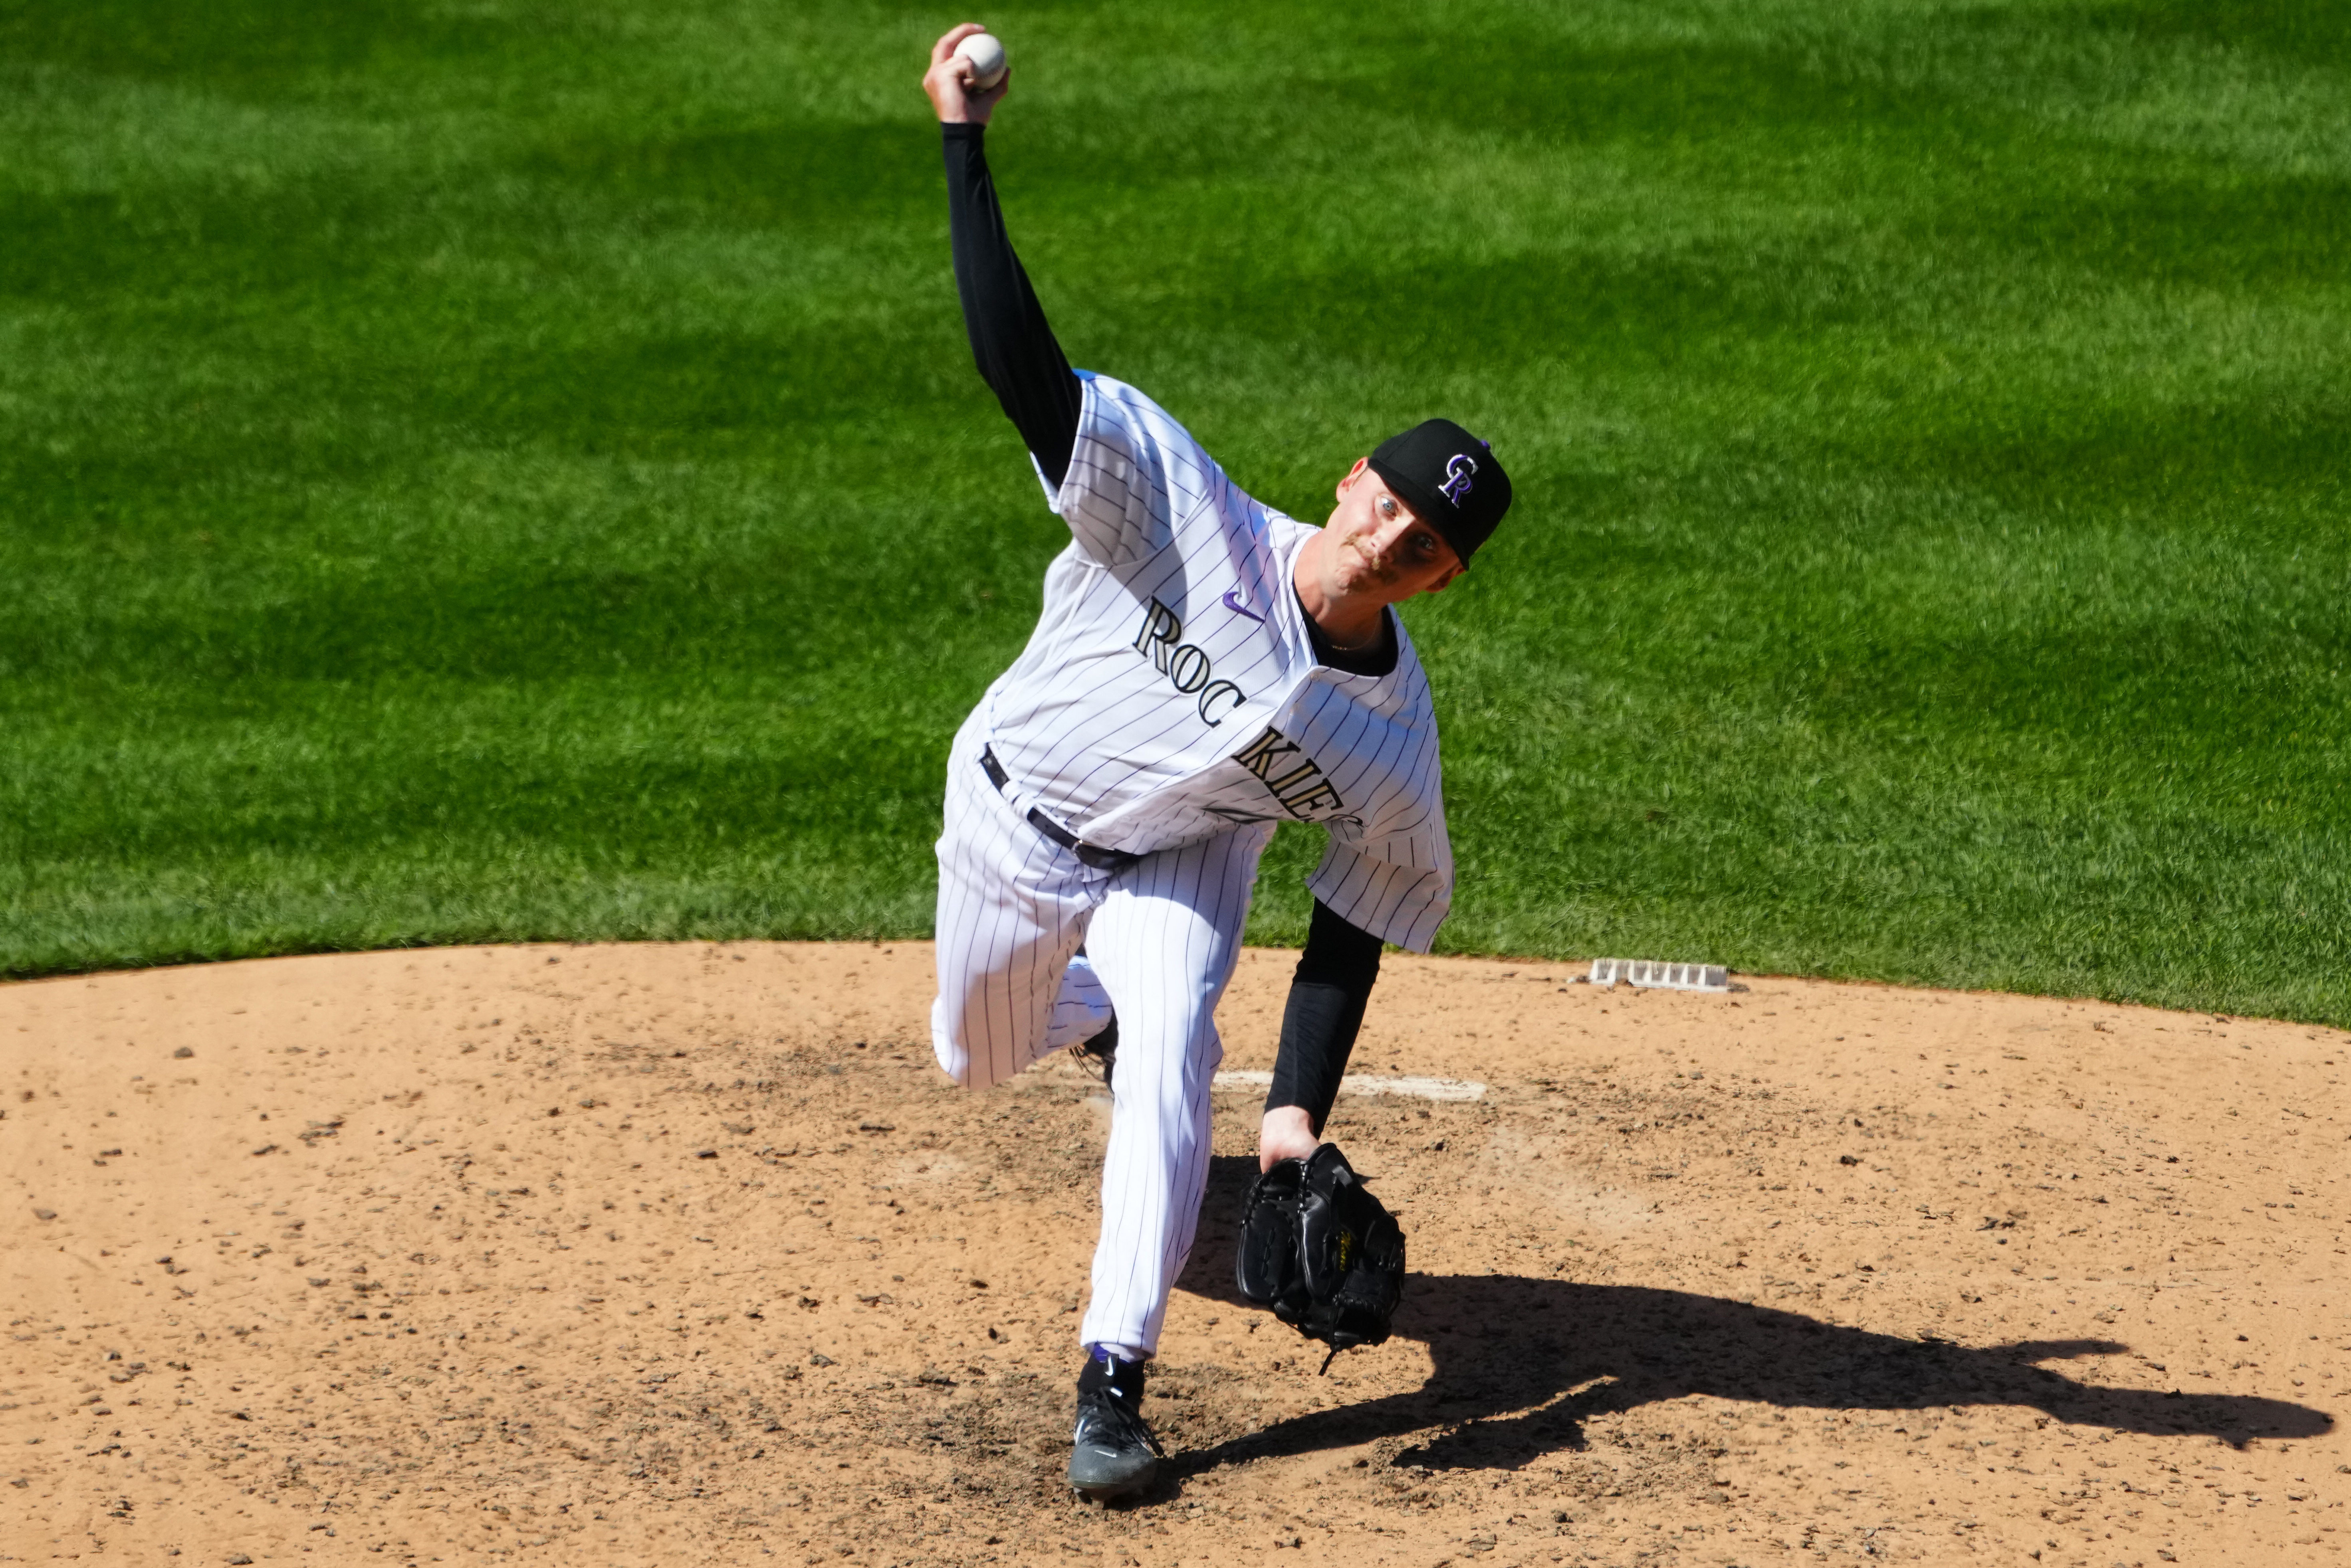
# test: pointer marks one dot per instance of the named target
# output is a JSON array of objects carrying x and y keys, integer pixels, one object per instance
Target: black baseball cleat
[
  {"x": 1113, "y": 1453},
  {"x": 1100, "y": 1053}
]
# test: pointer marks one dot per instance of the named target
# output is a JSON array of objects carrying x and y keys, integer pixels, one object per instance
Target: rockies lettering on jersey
[
  {"x": 1170, "y": 692},
  {"x": 1184, "y": 664},
  {"x": 1301, "y": 790}
]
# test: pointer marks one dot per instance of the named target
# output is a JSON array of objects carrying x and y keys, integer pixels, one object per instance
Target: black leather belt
[{"x": 1087, "y": 854}]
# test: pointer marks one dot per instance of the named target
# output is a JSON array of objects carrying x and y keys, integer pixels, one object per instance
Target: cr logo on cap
[{"x": 1458, "y": 470}]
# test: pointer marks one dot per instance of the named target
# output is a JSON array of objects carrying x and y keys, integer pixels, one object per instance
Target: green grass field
[{"x": 490, "y": 470}]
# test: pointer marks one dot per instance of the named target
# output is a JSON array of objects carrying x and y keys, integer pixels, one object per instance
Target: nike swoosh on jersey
[{"x": 1233, "y": 603}]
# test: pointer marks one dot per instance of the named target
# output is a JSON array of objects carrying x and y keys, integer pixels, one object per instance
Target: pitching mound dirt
[{"x": 688, "y": 1254}]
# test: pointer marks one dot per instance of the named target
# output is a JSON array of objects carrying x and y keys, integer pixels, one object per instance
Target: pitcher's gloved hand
[{"x": 1321, "y": 1251}]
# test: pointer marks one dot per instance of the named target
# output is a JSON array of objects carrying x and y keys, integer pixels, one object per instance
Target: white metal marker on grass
[
  {"x": 1649, "y": 973},
  {"x": 1414, "y": 1088}
]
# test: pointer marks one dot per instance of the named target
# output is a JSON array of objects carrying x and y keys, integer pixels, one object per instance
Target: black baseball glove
[{"x": 1321, "y": 1251}]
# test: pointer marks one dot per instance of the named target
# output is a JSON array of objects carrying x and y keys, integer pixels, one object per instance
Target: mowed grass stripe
[{"x": 479, "y": 473}]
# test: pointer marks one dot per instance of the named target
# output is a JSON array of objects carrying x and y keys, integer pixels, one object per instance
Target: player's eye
[{"x": 1387, "y": 506}]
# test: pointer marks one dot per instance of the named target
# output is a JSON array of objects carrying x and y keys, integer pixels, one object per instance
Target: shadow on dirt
[{"x": 1522, "y": 1363}]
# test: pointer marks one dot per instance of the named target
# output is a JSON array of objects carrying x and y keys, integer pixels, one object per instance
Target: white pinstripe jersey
[{"x": 1170, "y": 690}]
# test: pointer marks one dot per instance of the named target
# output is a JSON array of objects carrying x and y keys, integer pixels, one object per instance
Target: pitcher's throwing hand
[{"x": 950, "y": 81}]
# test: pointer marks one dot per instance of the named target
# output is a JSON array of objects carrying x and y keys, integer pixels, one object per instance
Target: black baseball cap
[{"x": 1451, "y": 480}]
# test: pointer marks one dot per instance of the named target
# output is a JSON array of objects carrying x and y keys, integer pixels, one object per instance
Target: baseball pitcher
[{"x": 1205, "y": 669}]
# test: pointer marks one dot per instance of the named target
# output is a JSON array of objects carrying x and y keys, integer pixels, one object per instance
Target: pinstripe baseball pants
[{"x": 1161, "y": 937}]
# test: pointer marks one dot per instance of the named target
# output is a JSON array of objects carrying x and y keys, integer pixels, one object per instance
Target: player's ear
[{"x": 1353, "y": 474}]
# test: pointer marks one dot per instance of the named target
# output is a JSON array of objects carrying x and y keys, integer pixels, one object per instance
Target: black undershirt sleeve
[
  {"x": 1010, "y": 342},
  {"x": 1326, "y": 1008}
]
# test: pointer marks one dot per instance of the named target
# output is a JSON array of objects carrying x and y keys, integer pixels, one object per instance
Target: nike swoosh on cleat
[{"x": 1237, "y": 608}]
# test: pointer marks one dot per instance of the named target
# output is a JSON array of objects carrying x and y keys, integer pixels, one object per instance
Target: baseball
[{"x": 985, "y": 53}]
